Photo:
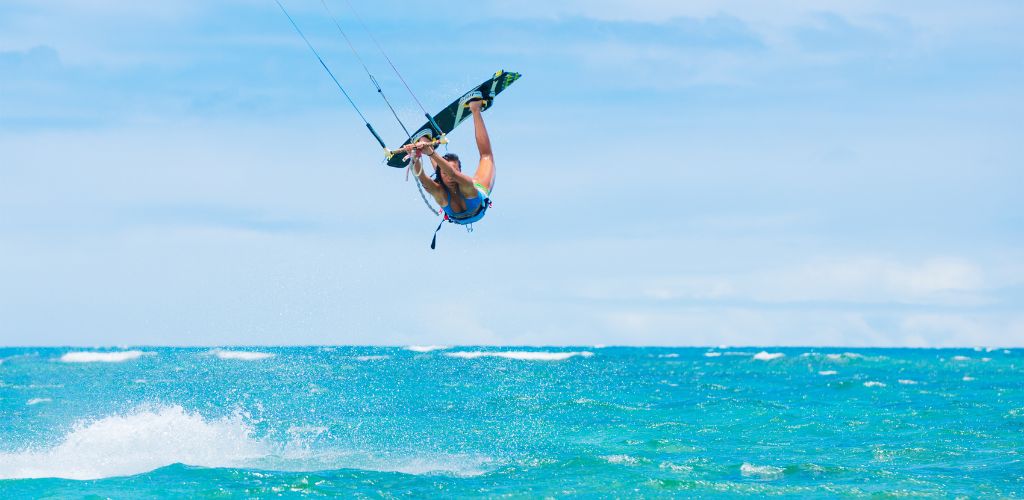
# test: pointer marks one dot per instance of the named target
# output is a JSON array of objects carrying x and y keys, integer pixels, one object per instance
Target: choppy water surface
[{"x": 520, "y": 421}]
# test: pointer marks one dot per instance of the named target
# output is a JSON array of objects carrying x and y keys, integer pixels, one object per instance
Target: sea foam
[
  {"x": 761, "y": 471},
  {"x": 241, "y": 355},
  {"x": 147, "y": 439},
  {"x": 123, "y": 445},
  {"x": 102, "y": 357},
  {"x": 768, "y": 356},
  {"x": 425, "y": 348},
  {"x": 520, "y": 355}
]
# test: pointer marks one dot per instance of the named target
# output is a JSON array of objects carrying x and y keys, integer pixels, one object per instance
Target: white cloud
[
  {"x": 963, "y": 330},
  {"x": 763, "y": 16},
  {"x": 868, "y": 279},
  {"x": 736, "y": 326},
  {"x": 873, "y": 280}
]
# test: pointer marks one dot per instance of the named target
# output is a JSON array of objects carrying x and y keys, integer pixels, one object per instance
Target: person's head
[
  {"x": 450, "y": 158},
  {"x": 454, "y": 160}
]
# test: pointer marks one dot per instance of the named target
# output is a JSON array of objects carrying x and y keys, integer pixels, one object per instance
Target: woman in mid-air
[{"x": 464, "y": 199}]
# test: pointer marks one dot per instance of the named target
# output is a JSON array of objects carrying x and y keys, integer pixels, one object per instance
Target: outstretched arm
[
  {"x": 464, "y": 181},
  {"x": 485, "y": 171},
  {"x": 483, "y": 141},
  {"x": 425, "y": 180}
]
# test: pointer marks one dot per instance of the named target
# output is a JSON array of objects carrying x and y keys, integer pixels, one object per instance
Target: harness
[{"x": 460, "y": 218}]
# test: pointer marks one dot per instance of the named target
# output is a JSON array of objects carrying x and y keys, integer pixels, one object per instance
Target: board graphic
[{"x": 456, "y": 112}]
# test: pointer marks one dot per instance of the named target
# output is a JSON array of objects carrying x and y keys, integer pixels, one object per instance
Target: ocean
[{"x": 520, "y": 422}]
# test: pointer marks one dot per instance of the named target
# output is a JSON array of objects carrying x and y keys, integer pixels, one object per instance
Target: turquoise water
[{"x": 513, "y": 421}]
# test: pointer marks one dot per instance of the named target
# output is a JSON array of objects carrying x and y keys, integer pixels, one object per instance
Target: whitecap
[
  {"x": 371, "y": 358},
  {"x": 968, "y": 378},
  {"x": 905, "y": 381},
  {"x": 147, "y": 439},
  {"x": 621, "y": 459},
  {"x": 712, "y": 354},
  {"x": 669, "y": 466},
  {"x": 762, "y": 471},
  {"x": 142, "y": 441},
  {"x": 961, "y": 358},
  {"x": 520, "y": 355},
  {"x": 986, "y": 360},
  {"x": 35, "y": 401},
  {"x": 672, "y": 355},
  {"x": 768, "y": 356},
  {"x": 102, "y": 357},
  {"x": 872, "y": 383},
  {"x": 425, "y": 348},
  {"x": 827, "y": 372},
  {"x": 241, "y": 355}
]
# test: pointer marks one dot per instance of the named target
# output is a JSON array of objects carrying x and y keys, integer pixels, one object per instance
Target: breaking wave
[
  {"x": 520, "y": 355},
  {"x": 425, "y": 348},
  {"x": 102, "y": 357},
  {"x": 147, "y": 439},
  {"x": 241, "y": 355}
]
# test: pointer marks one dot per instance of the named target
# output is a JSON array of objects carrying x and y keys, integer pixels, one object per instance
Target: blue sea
[{"x": 521, "y": 422}]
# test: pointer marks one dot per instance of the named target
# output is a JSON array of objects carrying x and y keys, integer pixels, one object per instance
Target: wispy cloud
[{"x": 672, "y": 172}]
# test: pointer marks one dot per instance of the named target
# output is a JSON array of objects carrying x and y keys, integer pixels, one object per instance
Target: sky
[{"x": 737, "y": 172}]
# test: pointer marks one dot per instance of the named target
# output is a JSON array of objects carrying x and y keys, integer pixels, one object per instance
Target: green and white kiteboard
[{"x": 454, "y": 114}]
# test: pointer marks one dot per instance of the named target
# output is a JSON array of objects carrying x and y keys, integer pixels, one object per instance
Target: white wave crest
[
  {"x": 520, "y": 355},
  {"x": 102, "y": 357},
  {"x": 872, "y": 383},
  {"x": 150, "y": 438},
  {"x": 827, "y": 372},
  {"x": 137, "y": 443},
  {"x": 906, "y": 381},
  {"x": 241, "y": 355},
  {"x": 768, "y": 356},
  {"x": 761, "y": 471},
  {"x": 426, "y": 348},
  {"x": 712, "y": 354},
  {"x": 621, "y": 459},
  {"x": 35, "y": 401},
  {"x": 371, "y": 358}
]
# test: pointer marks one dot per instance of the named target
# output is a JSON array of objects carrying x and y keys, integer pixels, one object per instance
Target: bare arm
[
  {"x": 464, "y": 181},
  {"x": 426, "y": 181},
  {"x": 483, "y": 141}
]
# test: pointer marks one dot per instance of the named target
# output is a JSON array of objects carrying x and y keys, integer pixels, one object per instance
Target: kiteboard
[{"x": 455, "y": 113}]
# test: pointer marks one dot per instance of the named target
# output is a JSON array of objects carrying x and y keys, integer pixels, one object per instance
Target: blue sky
[{"x": 668, "y": 173}]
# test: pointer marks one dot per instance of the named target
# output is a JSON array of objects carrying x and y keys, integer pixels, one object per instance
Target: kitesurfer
[{"x": 463, "y": 199}]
